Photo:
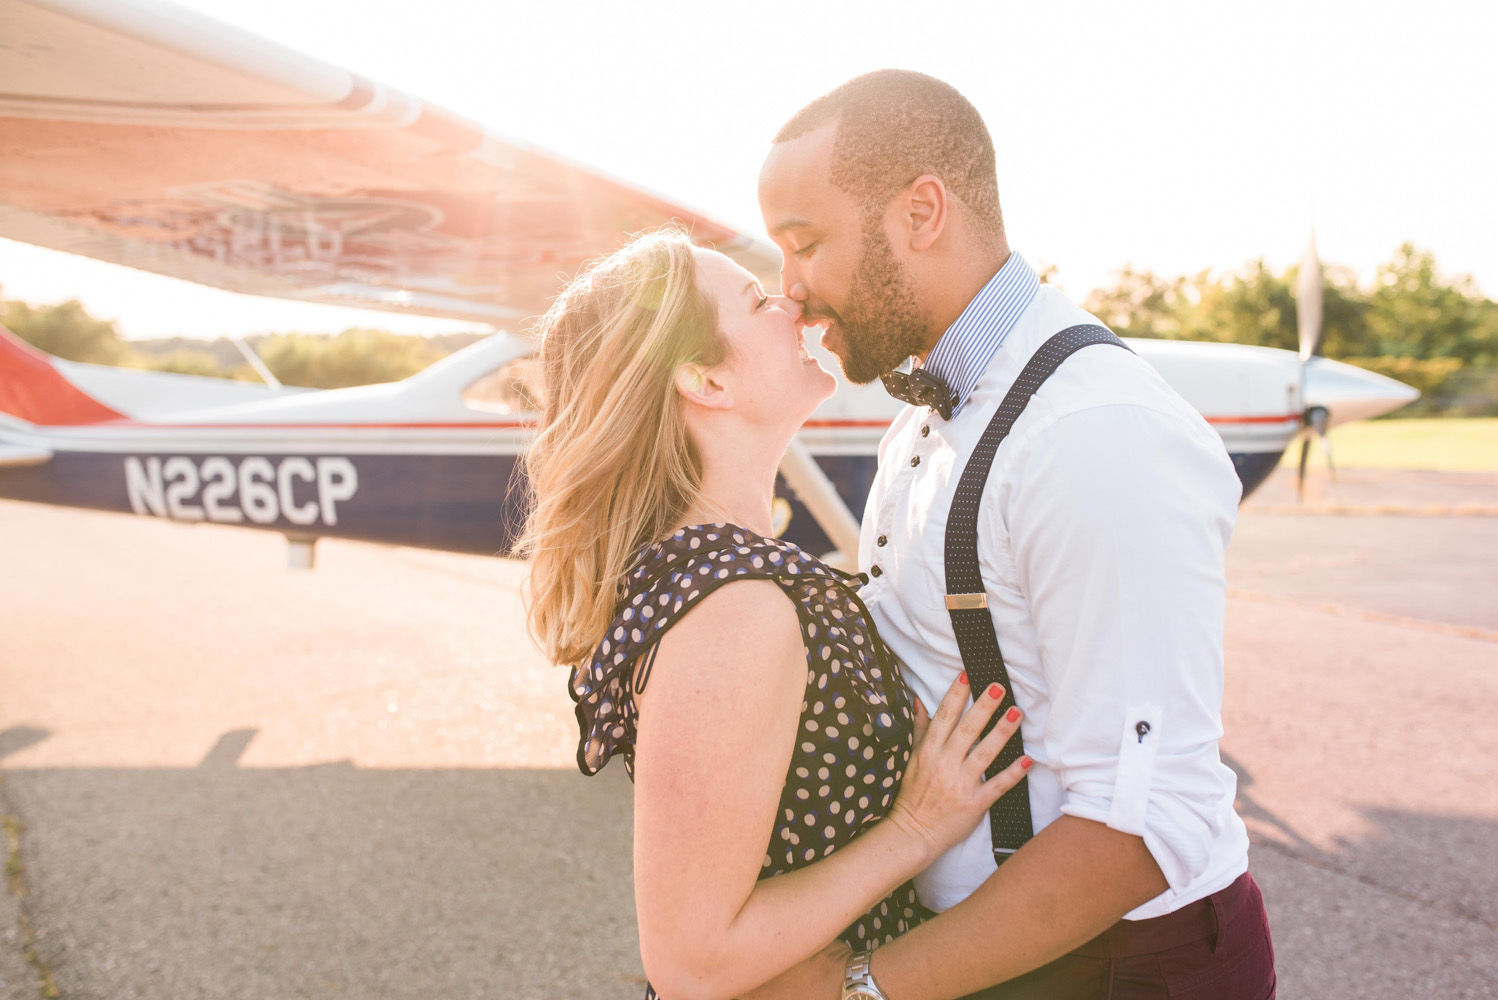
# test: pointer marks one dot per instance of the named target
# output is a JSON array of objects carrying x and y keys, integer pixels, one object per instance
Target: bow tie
[{"x": 920, "y": 388}]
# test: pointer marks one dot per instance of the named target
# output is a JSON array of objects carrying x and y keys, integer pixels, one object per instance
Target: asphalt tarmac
[{"x": 224, "y": 779}]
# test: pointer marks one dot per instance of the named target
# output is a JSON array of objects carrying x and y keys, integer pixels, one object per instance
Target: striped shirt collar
[{"x": 964, "y": 350}]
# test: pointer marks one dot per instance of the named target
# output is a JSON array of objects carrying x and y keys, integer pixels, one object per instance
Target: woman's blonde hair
[{"x": 612, "y": 468}]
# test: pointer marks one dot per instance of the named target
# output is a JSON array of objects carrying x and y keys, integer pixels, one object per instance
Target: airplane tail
[{"x": 33, "y": 390}]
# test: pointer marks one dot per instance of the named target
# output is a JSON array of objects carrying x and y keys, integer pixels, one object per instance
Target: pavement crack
[
  {"x": 15, "y": 884},
  {"x": 1322, "y": 863}
]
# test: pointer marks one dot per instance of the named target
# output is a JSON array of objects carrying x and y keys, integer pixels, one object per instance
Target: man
[{"x": 1101, "y": 536}]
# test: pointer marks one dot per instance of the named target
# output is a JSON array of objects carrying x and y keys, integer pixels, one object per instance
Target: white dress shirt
[{"x": 1101, "y": 537}]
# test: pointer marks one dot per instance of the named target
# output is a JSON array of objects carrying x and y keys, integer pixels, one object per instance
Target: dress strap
[
  {"x": 854, "y": 580},
  {"x": 643, "y": 677}
]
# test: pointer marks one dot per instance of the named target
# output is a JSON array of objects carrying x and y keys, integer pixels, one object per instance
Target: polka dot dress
[{"x": 856, "y": 727}]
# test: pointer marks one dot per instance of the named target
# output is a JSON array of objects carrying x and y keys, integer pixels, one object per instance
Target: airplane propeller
[{"x": 1316, "y": 420}]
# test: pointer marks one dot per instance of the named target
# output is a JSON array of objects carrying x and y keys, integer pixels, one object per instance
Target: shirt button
[
  {"x": 883, "y": 540},
  {"x": 876, "y": 571},
  {"x": 915, "y": 460},
  {"x": 925, "y": 430}
]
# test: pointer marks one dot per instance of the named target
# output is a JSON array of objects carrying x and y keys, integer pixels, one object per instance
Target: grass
[
  {"x": 1450, "y": 445},
  {"x": 15, "y": 877}
]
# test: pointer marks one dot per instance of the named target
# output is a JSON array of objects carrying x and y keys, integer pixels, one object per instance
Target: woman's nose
[{"x": 790, "y": 305}]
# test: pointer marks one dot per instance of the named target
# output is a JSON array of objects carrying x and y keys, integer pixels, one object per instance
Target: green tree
[
  {"x": 1414, "y": 312},
  {"x": 1139, "y": 304},
  {"x": 1255, "y": 306},
  {"x": 1438, "y": 335},
  {"x": 65, "y": 330},
  {"x": 356, "y": 356},
  {"x": 184, "y": 361}
]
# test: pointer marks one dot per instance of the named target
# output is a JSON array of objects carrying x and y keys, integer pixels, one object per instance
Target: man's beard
[{"x": 881, "y": 324}]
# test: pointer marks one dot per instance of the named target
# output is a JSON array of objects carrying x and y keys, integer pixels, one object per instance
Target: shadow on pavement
[
  {"x": 1425, "y": 857},
  {"x": 335, "y": 881},
  {"x": 1404, "y": 911},
  {"x": 18, "y": 738},
  {"x": 327, "y": 881}
]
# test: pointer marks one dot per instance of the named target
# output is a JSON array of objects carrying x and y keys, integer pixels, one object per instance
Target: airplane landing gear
[{"x": 301, "y": 551}]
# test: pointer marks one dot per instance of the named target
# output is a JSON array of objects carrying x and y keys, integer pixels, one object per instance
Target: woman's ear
[{"x": 701, "y": 386}]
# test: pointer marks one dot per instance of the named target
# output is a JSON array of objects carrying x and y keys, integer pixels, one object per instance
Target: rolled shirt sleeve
[{"x": 1119, "y": 518}]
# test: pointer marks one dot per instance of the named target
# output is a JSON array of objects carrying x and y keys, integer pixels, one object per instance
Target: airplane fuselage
[{"x": 425, "y": 463}]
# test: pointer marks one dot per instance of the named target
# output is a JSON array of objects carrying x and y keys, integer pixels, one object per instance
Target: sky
[{"x": 1170, "y": 136}]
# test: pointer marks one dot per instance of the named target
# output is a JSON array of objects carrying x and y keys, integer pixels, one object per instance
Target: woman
[{"x": 766, "y": 737}]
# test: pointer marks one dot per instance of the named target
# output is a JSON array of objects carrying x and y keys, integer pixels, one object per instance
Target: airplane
[{"x": 237, "y": 163}]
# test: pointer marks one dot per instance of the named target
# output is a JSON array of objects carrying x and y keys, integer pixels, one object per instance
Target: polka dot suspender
[{"x": 967, "y": 601}]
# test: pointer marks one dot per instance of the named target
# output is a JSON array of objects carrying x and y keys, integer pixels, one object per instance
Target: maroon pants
[{"x": 1217, "y": 948}]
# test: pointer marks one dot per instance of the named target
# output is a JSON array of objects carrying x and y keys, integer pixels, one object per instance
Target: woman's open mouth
[{"x": 832, "y": 339}]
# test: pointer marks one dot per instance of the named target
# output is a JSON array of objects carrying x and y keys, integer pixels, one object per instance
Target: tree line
[
  {"x": 1411, "y": 322},
  {"x": 357, "y": 356}
]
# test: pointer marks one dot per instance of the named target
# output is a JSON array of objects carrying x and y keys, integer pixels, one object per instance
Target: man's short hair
[{"x": 894, "y": 125}]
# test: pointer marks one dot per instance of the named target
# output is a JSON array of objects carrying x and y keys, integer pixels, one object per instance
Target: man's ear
[
  {"x": 701, "y": 386},
  {"x": 924, "y": 209}
]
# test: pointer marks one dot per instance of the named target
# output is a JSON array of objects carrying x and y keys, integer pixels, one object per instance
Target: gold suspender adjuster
[{"x": 966, "y": 602}]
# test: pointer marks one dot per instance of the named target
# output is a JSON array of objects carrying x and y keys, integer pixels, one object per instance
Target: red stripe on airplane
[
  {"x": 453, "y": 425},
  {"x": 525, "y": 424},
  {"x": 33, "y": 389},
  {"x": 1255, "y": 420},
  {"x": 457, "y": 425}
]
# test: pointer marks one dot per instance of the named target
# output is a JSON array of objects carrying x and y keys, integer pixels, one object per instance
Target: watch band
[{"x": 858, "y": 978}]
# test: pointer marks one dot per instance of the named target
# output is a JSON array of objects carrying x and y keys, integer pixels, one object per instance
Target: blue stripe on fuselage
[{"x": 459, "y": 503}]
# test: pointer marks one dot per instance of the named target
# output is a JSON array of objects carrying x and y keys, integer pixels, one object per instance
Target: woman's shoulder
[
  {"x": 670, "y": 578},
  {"x": 816, "y": 608}
]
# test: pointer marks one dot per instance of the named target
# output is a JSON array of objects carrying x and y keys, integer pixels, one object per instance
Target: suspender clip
[{"x": 966, "y": 602}]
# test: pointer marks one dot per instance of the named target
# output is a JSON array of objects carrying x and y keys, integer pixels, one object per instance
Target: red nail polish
[
  {"x": 995, "y": 692},
  {"x": 1026, "y": 763},
  {"x": 963, "y": 679},
  {"x": 1012, "y": 715}
]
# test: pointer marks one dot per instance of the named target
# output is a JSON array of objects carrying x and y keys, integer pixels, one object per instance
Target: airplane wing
[{"x": 150, "y": 136}]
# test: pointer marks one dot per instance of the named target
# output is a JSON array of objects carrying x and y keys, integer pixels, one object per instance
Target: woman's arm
[{"x": 717, "y": 727}]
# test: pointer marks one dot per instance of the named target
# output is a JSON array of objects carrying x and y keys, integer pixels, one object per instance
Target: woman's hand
[{"x": 943, "y": 794}]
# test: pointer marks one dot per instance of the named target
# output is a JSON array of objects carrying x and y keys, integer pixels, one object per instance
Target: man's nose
[{"x": 791, "y": 285}]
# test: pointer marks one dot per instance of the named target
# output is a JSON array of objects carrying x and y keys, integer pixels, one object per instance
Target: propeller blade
[
  {"x": 1326, "y": 449},
  {"x": 1305, "y": 450},
  {"x": 1308, "y": 303}
]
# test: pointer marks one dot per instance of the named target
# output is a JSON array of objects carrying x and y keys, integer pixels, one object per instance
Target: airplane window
[{"x": 507, "y": 389}]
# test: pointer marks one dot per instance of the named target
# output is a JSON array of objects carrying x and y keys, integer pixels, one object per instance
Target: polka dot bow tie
[{"x": 920, "y": 388}]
